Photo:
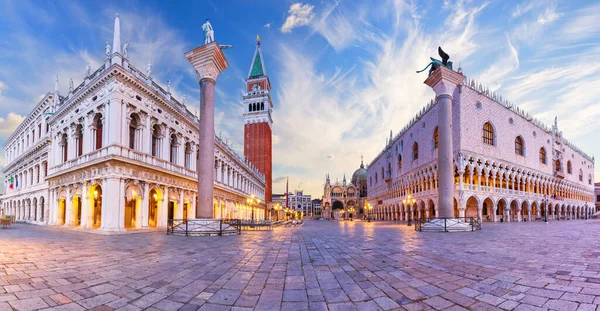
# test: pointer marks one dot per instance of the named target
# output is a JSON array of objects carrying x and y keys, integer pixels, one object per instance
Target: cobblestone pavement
[{"x": 322, "y": 265}]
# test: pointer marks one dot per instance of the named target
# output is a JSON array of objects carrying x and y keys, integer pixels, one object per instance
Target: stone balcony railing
[{"x": 137, "y": 156}]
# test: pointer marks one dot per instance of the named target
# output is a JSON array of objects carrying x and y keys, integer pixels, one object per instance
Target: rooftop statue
[
  {"x": 209, "y": 34},
  {"x": 107, "y": 50},
  {"x": 435, "y": 63},
  {"x": 125, "y": 46}
]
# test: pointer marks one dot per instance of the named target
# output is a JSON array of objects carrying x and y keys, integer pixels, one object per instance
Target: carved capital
[{"x": 208, "y": 61}]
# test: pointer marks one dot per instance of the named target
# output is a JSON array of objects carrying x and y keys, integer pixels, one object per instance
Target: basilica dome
[{"x": 359, "y": 175}]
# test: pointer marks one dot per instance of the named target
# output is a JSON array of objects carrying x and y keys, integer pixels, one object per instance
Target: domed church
[{"x": 346, "y": 200}]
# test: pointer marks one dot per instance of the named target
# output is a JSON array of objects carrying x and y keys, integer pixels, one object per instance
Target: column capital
[
  {"x": 208, "y": 61},
  {"x": 443, "y": 81}
]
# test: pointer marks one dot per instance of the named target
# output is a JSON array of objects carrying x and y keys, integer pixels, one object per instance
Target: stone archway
[
  {"x": 524, "y": 213},
  {"x": 95, "y": 209},
  {"x": 501, "y": 210},
  {"x": 487, "y": 211},
  {"x": 514, "y": 211},
  {"x": 472, "y": 207},
  {"x": 133, "y": 203},
  {"x": 336, "y": 210},
  {"x": 431, "y": 209}
]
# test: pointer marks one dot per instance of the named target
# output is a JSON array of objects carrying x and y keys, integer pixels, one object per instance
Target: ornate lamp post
[
  {"x": 368, "y": 208},
  {"x": 277, "y": 209},
  {"x": 351, "y": 211},
  {"x": 252, "y": 201},
  {"x": 410, "y": 201},
  {"x": 545, "y": 208}
]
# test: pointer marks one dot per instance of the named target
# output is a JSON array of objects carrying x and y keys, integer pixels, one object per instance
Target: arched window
[
  {"x": 188, "y": 155},
  {"x": 99, "y": 129},
  {"x": 542, "y": 155},
  {"x": 249, "y": 107},
  {"x": 65, "y": 147},
  {"x": 79, "y": 139},
  {"x": 401, "y": 145},
  {"x": 173, "y": 153},
  {"x": 399, "y": 161},
  {"x": 415, "y": 151},
  {"x": 375, "y": 177},
  {"x": 488, "y": 133},
  {"x": 132, "y": 128},
  {"x": 519, "y": 146},
  {"x": 590, "y": 179},
  {"x": 580, "y": 175},
  {"x": 155, "y": 140},
  {"x": 569, "y": 167},
  {"x": 262, "y": 106},
  {"x": 435, "y": 137},
  {"x": 382, "y": 173},
  {"x": 557, "y": 166},
  {"x": 254, "y": 107}
]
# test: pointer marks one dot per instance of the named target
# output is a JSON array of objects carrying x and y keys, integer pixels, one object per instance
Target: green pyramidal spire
[{"x": 257, "y": 68}]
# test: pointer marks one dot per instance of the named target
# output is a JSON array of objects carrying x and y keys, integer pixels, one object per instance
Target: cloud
[
  {"x": 362, "y": 102},
  {"x": 268, "y": 25},
  {"x": 9, "y": 124},
  {"x": 2, "y": 87},
  {"x": 334, "y": 25},
  {"x": 548, "y": 16},
  {"x": 583, "y": 24},
  {"x": 300, "y": 15},
  {"x": 523, "y": 8},
  {"x": 279, "y": 179},
  {"x": 494, "y": 75}
]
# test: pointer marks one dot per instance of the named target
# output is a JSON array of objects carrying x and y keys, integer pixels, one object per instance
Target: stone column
[
  {"x": 444, "y": 81},
  {"x": 145, "y": 205},
  {"x": 69, "y": 207},
  {"x": 208, "y": 61}
]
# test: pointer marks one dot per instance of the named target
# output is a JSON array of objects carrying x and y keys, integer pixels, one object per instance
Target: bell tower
[{"x": 257, "y": 119}]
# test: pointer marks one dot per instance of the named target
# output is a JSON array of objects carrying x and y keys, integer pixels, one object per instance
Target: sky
[{"x": 342, "y": 72}]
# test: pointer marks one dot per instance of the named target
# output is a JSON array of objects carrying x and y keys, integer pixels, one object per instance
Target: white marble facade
[
  {"x": 508, "y": 165},
  {"x": 118, "y": 152}
]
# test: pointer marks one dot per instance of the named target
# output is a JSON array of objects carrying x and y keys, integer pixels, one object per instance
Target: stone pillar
[
  {"x": 69, "y": 207},
  {"x": 443, "y": 81},
  {"x": 145, "y": 205},
  {"x": 208, "y": 61}
]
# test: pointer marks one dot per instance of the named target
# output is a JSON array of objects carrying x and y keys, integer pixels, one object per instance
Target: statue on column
[
  {"x": 209, "y": 34},
  {"x": 435, "y": 63},
  {"x": 107, "y": 49},
  {"x": 168, "y": 86}
]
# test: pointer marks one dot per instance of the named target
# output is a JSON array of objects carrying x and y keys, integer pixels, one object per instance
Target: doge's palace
[
  {"x": 118, "y": 152},
  {"x": 508, "y": 166}
]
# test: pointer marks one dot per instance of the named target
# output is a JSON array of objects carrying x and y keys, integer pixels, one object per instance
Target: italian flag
[{"x": 11, "y": 182}]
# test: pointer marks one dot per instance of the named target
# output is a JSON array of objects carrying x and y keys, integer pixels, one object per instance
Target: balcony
[
  {"x": 388, "y": 177},
  {"x": 559, "y": 174}
]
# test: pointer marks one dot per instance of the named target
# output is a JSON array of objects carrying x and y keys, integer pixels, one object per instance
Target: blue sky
[{"x": 342, "y": 71}]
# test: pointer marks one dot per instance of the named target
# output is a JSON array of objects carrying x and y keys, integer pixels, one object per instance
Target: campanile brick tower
[{"x": 257, "y": 120}]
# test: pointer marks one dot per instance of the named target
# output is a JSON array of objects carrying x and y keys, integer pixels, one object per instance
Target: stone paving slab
[{"x": 323, "y": 265}]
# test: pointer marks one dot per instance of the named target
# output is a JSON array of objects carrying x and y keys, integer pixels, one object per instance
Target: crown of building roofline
[
  {"x": 29, "y": 117},
  {"x": 494, "y": 97}
]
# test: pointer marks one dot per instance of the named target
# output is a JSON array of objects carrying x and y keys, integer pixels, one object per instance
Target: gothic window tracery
[
  {"x": 435, "y": 138},
  {"x": 542, "y": 155},
  {"x": 569, "y": 167}
]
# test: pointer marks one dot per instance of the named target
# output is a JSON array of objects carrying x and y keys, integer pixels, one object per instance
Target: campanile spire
[{"x": 257, "y": 119}]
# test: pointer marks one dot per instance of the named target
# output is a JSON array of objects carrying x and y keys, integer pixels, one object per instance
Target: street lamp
[
  {"x": 252, "y": 201},
  {"x": 277, "y": 209},
  {"x": 545, "y": 208},
  {"x": 368, "y": 208},
  {"x": 351, "y": 211},
  {"x": 410, "y": 202}
]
